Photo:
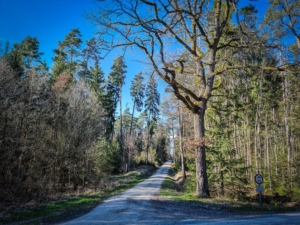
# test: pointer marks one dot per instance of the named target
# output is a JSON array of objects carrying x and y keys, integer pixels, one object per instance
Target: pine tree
[
  {"x": 116, "y": 80},
  {"x": 60, "y": 63},
  {"x": 71, "y": 45},
  {"x": 67, "y": 53},
  {"x": 137, "y": 94},
  {"x": 43, "y": 69},
  {"x": 152, "y": 99},
  {"x": 30, "y": 51},
  {"x": 286, "y": 15},
  {"x": 151, "y": 107},
  {"x": 89, "y": 54},
  {"x": 96, "y": 80},
  {"x": 23, "y": 56},
  {"x": 15, "y": 60},
  {"x": 114, "y": 89}
]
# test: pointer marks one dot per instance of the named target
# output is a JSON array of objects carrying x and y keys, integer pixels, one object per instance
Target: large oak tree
[{"x": 170, "y": 33}]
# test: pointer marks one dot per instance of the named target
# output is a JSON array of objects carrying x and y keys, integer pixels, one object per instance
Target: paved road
[{"x": 140, "y": 205}]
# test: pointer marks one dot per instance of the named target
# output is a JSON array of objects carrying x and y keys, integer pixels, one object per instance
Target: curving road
[{"x": 141, "y": 205}]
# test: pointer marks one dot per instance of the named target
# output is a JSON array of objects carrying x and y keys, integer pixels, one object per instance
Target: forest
[
  {"x": 62, "y": 128},
  {"x": 230, "y": 109}
]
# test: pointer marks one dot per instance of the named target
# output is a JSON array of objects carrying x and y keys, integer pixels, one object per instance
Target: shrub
[
  {"x": 108, "y": 157},
  {"x": 296, "y": 195}
]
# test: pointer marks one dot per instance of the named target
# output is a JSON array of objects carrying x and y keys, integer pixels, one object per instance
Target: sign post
[{"x": 259, "y": 180}]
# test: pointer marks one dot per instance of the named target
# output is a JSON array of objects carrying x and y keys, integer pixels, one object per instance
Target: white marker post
[{"x": 259, "y": 180}]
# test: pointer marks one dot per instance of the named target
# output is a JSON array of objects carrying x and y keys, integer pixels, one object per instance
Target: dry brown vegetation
[{"x": 47, "y": 136}]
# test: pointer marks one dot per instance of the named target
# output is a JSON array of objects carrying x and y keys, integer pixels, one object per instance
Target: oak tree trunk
[
  {"x": 200, "y": 156},
  {"x": 181, "y": 142}
]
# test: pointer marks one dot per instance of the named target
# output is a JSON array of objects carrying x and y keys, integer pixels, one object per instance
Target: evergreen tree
[
  {"x": 115, "y": 83},
  {"x": 151, "y": 107},
  {"x": 137, "y": 94},
  {"x": 114, "y": 90},
  {"x": 89, "y": 54},
  {"x": 96, "y": 80},
  {"x": 286, "y": 15},
  {"x": 15, "y": 60},
  {"x": 152, "y": 99},
  {"x": 67, "y": 53},
  {"x": 60, "y": 63},
  {"x": 43, "y": 69},
  {"x": 23, "y": 56},
  {"x": 71, "y": 45},
  {"x": 30, "y": 51}
]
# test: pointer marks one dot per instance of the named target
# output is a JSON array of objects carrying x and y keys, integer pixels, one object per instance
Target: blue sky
[
  {"x": 48, "y": 21},
  {"x": 51, "y": 20}
]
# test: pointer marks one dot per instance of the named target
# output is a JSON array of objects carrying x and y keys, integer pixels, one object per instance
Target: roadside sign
[
  {"x": 258, "y": 178},
  {"x": 260, "y": 188}
]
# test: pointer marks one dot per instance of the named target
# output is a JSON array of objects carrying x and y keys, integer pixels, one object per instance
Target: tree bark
[
  {"x": 201, "y": 175},
  {"x": 267, "y": 151},
  {"x": 286, "y": 121},
  {"x": 180, "y": 117},
  {"x": 121, "y": 131},
  {"x": 275, "y": 144},
  {"x": 148, "y": 139},
  {"x": 173, "y": 140},
  {"x": 132, "y": 119}
]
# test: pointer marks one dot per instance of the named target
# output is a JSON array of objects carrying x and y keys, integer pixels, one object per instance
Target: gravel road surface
[{"x": 142, "y": 205}]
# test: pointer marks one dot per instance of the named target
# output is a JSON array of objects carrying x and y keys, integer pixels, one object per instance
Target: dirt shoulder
[{"x": 174, "y": 193}]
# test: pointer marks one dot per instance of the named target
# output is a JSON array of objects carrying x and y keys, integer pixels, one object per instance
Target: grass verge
[
  {"x": 175, "y": 189},
  {"x": 71, "y": 207}
]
